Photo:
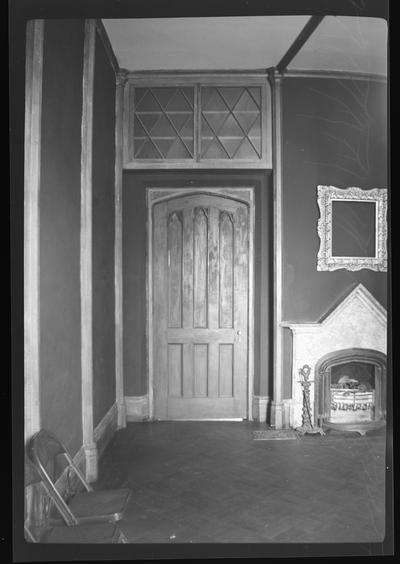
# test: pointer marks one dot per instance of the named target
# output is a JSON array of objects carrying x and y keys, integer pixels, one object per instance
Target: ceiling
[{"x": 342, "y": 43}]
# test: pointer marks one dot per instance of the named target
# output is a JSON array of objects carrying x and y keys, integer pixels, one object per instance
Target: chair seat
[
  {"x": 105, "y": 533},
  {"x": 104, "y": 505},
  {"x": 90, "y": 506}
]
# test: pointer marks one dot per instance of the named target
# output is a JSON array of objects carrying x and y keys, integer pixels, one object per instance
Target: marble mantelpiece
[{"x": 359, "y": 321}]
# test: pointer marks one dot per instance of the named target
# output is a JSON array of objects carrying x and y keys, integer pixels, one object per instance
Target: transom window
[
  {"x": 230, "y": 123},
  {"x": 197, "y": 125},
  {"x": 164, "y": 123}
]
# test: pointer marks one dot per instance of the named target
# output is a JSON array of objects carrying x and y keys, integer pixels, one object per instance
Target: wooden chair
[
  {"x": 89, "y": 506},
  {"x": 106, "y": 533}
]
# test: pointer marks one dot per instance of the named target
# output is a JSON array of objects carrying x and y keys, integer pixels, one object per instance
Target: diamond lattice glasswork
[
  {"x": 163, "y": 123},
  {"x": 230, "y": 123}
]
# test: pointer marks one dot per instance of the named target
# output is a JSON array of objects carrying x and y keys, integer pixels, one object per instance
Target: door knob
[{"x": 238, "y": 332}]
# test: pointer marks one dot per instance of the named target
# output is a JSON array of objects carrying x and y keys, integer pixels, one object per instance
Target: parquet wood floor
[{"x": 211, "y": 482}]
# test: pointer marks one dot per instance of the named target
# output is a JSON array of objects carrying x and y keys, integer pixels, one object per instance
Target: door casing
[{"x": 155, "y": 195}]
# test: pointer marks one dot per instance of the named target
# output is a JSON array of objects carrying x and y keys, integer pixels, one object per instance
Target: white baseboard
[
  {"x": 260, "y": 405},
  {"x": 109, "y": 420},
  {"x": 89, "y": 454},
  {"x": 137, "y": 407},
  {"x": 286, "y": 416}
]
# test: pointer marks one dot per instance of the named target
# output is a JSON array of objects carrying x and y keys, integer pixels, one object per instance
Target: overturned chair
[
  {"x": 90, "y": 533},
  {"x": 87, "y": 506}
]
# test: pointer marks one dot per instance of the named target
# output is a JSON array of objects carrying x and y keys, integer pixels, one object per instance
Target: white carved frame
[{"x": 325, "y": 260}]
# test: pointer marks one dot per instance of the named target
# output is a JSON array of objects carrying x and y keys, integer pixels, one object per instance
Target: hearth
[{"x": 350, "y": 390}]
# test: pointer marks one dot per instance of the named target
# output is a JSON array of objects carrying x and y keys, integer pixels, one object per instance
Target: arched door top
[{"x": 244, "y": 195}]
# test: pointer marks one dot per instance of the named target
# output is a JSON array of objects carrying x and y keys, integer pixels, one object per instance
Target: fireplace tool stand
[{"x": 307, "y": 427}]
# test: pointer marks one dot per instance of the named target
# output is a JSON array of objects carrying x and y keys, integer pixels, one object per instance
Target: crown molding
[
  {"x": 338, "y": 74},
  {"x": 252, "y": 73}
]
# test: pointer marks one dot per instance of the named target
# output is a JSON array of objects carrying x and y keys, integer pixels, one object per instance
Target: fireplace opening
[{"x": 350, "y": 390}]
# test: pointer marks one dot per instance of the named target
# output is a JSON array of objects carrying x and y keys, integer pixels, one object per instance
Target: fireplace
[
  {"x": 350, "y": 390},
  {"x": 348, "y": 341}
]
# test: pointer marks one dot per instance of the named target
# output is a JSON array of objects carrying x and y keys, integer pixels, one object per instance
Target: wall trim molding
[
  {"x": 33, "y": 116},
  {"x": 252, "y": 73},
  {"x": 338, "y": 75},
  {"x": 156, "y": 195},
  {"x": 137, "y": 407},
  {"x": 101, "y": 30},
  {"x": 118, "y": 274},
  {"x": 180, "y": 165},
  {"x": 276, "y": 404},
  {"x": 251, "y": 304},
  {"x": 86, "y": 251},
  {"x": 171, "y": 76}
]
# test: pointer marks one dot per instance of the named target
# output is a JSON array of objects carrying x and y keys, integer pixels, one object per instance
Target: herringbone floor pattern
[{"x": 211, "y": 482}]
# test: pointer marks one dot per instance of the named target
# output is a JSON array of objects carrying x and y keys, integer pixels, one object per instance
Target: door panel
[
  {"x": 175, "y": 271},
  {"x": 200, "y": 310},
  {"x": 226, "y": 270},
  {"x": 200, "y": 268}
]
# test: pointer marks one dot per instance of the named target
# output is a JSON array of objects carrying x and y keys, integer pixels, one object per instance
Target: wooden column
[
  {"x": 89, "y": 444},
  {"x": 33, "y": 115},
  {"x": 250, "y": 391},
  {"x": 119, "y": 378},
  {"x": 275, "y": 79}
]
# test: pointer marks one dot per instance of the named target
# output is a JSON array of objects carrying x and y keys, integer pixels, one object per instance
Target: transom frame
[{"x": 236, "y": 133}]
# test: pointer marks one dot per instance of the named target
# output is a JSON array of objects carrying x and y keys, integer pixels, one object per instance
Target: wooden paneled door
[{"x": 200, "y": 307}]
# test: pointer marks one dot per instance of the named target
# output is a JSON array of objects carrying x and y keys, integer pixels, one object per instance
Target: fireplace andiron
[{"x": 307, "y": 426}]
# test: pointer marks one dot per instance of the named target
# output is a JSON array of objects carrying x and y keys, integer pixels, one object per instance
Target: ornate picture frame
[{"x": 325, "y": 259}]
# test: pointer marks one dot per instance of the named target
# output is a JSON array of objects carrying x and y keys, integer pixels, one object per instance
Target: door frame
[{"x": 155, "y": 195}]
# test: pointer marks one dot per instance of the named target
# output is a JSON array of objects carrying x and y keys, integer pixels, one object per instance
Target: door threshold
[{"x": 214, "y": 419}]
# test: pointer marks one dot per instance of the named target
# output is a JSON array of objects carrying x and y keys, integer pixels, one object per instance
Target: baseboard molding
[
  {"x": 260, "y": 408},
  {"x": 286, "y": 418},
  {"x": 105, "y": 430},
  {"x": 103, "y": 433},
  {"x": 137, "y": 408}
]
